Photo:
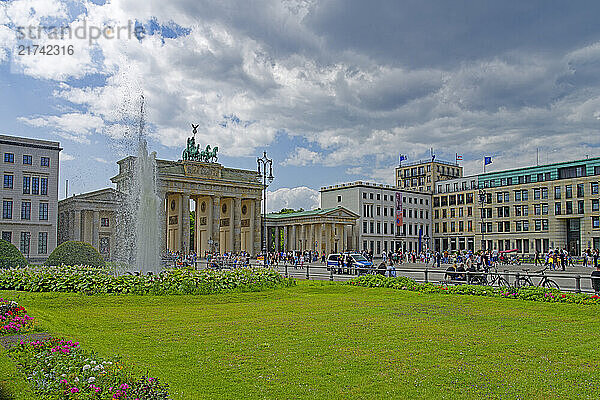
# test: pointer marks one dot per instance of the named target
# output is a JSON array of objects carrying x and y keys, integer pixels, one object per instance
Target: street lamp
[
  {"x": 265, "y": 162},
  {"x": 482, "y": 196}
]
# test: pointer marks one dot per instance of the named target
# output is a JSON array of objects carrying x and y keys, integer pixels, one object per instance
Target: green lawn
[{"x": 322, "y": 340}]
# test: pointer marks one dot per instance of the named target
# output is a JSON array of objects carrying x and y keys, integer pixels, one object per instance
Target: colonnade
[
  {"x": 223, "y": 224},
  {"x": 324, "y": 237}
]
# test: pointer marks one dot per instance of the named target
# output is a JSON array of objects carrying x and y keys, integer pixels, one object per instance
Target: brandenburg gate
[{"x": 227, "y": 202}]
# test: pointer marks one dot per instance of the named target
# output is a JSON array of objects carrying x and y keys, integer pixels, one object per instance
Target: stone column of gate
[
  {"x": 278, "y": 239},
  {"x": 311, "y": 237},
  {"x": 197, "y": 233},
  {"x": 257, "y": 227},
  {"x": 184, "y": 214},
  {"x": 237, "y": 224},
  {"x": 96, "y": 229},
  {"x": 215, "y": 220},
  {"x": 343, "y": 233}
]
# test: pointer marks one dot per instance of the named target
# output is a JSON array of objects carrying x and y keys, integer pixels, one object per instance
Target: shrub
[
  {"x": 523, "y": 293},
  {"x": 75, "y": 253},
  {"x": 10, "y": 256},
  {"x": 91, "y": 280}
]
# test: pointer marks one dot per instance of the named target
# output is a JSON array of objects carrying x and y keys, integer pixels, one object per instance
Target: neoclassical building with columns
[
  {"x": 327, "y": 231},
  {"x": 227, "y": 203}
]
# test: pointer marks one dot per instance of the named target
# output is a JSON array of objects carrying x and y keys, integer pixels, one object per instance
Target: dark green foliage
[
  {"x": 75, "y": 253},
  {"x": 10, "y": 256}
]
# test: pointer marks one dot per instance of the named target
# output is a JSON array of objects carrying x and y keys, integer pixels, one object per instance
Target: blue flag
[
  {"x": 487, "y": 160},
  {"x": 402, "y": 157}
]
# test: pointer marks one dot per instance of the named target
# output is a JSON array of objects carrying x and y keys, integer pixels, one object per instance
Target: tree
[{"x": 289, "y": 210}]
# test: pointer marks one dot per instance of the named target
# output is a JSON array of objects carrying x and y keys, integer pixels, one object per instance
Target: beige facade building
[
  {"x": 227, "y": 203},
  {"x": 327, "y": 231},
  {"x": 30, "y": 195},
  {"x": 528, "y": 209},
  {"x": 92, "y": 218},
  {"x": 422, "y": 175}
]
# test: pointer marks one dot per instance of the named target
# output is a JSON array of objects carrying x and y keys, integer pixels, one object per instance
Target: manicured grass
[
  {"x": 322, "y": 340},
  {"x": 13, "y": 386}
]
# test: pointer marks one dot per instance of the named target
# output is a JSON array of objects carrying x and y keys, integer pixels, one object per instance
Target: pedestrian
[{"x": 596, "y": 279}]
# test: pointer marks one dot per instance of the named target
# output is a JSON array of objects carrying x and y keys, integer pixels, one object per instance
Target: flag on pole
[
  {"x": 487, "y": 160},
  {"x": 403, "y": 157},
  {"x": 458, "y": 157}
]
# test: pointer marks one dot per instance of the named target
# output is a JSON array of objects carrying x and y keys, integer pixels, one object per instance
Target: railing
[{"x": 576, "y": 283}]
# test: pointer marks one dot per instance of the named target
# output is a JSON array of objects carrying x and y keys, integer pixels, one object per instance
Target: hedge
[
  {"x": 75, "y": 253},
  {"x": 10, "y": 256}
]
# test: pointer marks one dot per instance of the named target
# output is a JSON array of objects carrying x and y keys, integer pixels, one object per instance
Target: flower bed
[
  {"x": 176, "y": 281},
  {"x": 14, "y": 318},
  {"x": 61, "y": 369},
  {"x": 525, "y": 293}
]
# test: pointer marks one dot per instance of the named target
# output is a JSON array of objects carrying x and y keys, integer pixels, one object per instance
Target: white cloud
[
  {"x": 73, "y": 126},
  {"x": 101, "y": 160},
  {"x": 302, "y": 157},
  {"x": 65, "y": 157},
  {"x": 298, "y": 197}
]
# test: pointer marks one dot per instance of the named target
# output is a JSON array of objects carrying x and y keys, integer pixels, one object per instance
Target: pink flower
[{"x": 74, "y": 390}]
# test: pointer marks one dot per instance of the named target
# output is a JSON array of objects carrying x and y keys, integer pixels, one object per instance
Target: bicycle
[
  {"x": 544, "y": 282},
  {"x": 495, "y": 278}
]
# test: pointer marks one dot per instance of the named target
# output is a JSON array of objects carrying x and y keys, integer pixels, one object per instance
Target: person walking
[{"x": 596, "y": 279}]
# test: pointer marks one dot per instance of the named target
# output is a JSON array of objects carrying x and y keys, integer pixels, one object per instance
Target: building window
[
  {"x": 372, "y": 227},
  {"x": 25, "y": 242},
  {"x": 569, "y": 191},
  {"x": 595, "y": 205},
  {"x": 26, "y": 210},
  {"x": 580, "y": 207},
  {"x": 7, "y": 236},
  {"x": 544, "y": 224},
  {"x": 364, "y": 195},
  {"x": 7, "y": 206},
  {"x": 594, "y": 188},
  {"x": 43, "y": 211},
  {"x": 525, "y": 195},
  {"x": 26, "y": 184},
  {"x": 536, "y": 194},
  {"x": 8, "y": 181},
  {"x": 9, "y": 158},
  {"x": 580, "y": 191},
  {"x": 557, "y": 192},
  {"x": 556, "y": 208},
  {"x": 45, "y": 162},
  {"x": 544, "y": 193},
  {"x": 44, "y": 186},
  {"x": 538, "y": 224},
  {"x": 595, "y": 222},
  {"x": 569, "y": 207},
  {"x": 104, "y": 222},
  {"x": 27, "y": 159},
  {"x": 35, "y": 185},
  {"x": 339, "y": 198},
  {"x": 104, "y": 245},
  {"x": 43, "y": 243}
]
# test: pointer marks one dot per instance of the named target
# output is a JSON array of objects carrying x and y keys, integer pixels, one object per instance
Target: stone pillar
[
  {"x": 96, "y": 230},
  {"x": 327, "y": 239},
  {"x": 278, "y": 239},
  {"x": 77, "y": 225},
  {"x": 237, "y": 224},
  {"x": 257, "y": 226},
  {"x": 185, "y": 222},
  {"x": 303, "y": 237},
  {"x": 318, "y": 237},
  {"x": 215, "y": 220},
  {"x": 343, "y": 239}
]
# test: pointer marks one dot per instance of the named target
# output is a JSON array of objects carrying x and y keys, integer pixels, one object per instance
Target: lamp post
[
  {"x": 264, "y": 162},
  {"x": 482, "y": 196}
]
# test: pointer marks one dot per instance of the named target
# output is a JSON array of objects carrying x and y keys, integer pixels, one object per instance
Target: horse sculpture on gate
[{"x": 193, "y": 153}]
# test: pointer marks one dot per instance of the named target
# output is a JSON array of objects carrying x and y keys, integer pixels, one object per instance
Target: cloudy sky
[{"x": 333, "y": 90}]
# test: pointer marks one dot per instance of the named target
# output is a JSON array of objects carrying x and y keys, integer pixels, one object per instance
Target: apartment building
[
  {"x": 378, "y": 207},
  {"x": 422, "y": 175},
  {"x": 30, "y": 195},
  {"x": 528, "y": 209}
]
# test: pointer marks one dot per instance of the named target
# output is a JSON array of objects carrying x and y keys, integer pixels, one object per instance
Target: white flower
[
  {"x": 91, "y": 379},
  {"x": 76, "y": 380},
  {"x": 86, "y": 367}
]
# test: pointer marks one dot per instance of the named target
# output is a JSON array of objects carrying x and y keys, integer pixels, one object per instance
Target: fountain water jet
[{"x": 141, "y": 235}]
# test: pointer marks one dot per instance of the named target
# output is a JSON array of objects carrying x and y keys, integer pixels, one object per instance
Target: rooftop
[{"x": 427, "y": 161}]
